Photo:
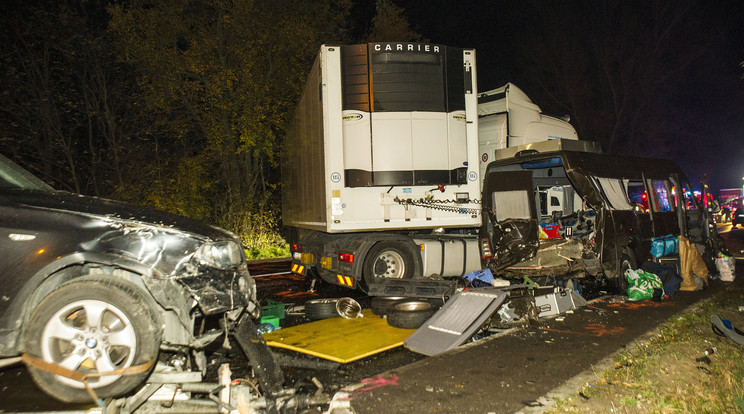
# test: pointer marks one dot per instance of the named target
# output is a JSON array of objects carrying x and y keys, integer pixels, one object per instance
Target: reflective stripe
[{"x": 345, "y": 280}]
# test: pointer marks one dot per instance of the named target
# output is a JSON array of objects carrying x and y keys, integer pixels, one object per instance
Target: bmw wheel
[{"x": 93, "y": 325}]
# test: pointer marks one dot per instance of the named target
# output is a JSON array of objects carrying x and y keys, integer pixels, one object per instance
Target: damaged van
[{"x": 565, "y": 210}]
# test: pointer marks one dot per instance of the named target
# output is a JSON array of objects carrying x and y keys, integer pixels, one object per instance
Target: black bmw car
[{"x": 93, "y": 289}]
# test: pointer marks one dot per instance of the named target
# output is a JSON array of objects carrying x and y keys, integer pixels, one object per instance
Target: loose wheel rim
[
  {"x": 89, "y": 336},
  {"x": 389, "y": 264}
]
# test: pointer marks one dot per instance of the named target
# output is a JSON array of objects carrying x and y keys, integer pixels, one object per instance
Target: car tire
[
  {"x": 410, "y": 314},
  {"x": 317, "y": 309},
  {"x": 124, "y": 332},
  {"x": 382, "y": 305},
  {"x": 626, "y": 262}
]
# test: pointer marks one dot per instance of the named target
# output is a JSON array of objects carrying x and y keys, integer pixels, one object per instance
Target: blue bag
[{"x": 664, "y": 246}]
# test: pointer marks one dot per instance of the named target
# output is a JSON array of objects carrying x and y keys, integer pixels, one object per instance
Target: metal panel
[
  {"x": 456, "y": 321},
  {"x": 303, "y": 161}
]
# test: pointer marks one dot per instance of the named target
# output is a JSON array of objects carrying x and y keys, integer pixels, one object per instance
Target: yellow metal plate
[{"x": 339, "y": 339}]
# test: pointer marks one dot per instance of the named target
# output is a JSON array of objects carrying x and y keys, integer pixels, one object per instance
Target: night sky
[{"x": 697, "y": 101}]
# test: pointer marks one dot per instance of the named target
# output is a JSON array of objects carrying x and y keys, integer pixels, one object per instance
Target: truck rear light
[
  {"x": 295, "y": 248},
  {"x": 346, "y": 257},
  {"x": 485, "y": 246}
]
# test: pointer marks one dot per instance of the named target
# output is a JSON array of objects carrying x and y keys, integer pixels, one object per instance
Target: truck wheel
[
  {"x": 93, "y": 324},
  {"x": 410, "y": 314},
  {"x": 388, "y": 260},
  {"x": 382, "y": 305},
  {"x": 317, "y": 309}
]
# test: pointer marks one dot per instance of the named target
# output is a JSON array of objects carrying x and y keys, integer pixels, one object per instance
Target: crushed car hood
[{"x": 80, "y": 204}]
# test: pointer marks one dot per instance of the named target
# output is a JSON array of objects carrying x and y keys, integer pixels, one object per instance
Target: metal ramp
[{"x": 456, "y": 321}]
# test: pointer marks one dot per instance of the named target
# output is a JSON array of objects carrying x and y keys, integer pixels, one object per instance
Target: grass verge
[{"x": 670, "y": 373}]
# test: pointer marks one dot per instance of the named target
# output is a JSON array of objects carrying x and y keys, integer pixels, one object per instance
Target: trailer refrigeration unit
[{"x": 380, "y": 168}]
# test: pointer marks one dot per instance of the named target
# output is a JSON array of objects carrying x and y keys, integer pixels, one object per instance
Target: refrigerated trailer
[{"x": 382, "y": 165}]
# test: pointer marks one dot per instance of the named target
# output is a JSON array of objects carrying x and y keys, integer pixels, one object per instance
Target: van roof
[{"x": 605, "y": 165}]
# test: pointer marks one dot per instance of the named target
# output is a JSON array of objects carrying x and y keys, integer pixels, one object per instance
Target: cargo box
[{"x": 374, "y": 147}]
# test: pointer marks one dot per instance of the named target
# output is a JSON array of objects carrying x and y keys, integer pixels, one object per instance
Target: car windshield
[{"x": 13, "y": 176}]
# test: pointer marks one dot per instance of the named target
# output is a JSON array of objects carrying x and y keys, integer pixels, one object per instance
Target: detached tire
[
  {"x": 93, "y": 324},
  {"x": 382, "y": 305},
  {"x": 318, "y": 309},
  {"x": 410, "y": 314}
]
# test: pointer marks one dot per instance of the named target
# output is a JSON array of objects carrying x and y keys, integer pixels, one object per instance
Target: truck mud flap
[
  {"x": 418, "y": 288},
  {"x": 456, "y": 321}
]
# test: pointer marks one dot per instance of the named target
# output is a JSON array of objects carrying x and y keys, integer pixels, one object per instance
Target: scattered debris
[
  {"x": 703, "y": 359},
  {"x": 558, "y": 302},
  {"x": 723, "y": 327}
]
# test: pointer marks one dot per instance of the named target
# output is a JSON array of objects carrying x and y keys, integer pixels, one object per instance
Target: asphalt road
[
  {"x": 518, "y": 370},
  {"x": 503, "y": 373}
]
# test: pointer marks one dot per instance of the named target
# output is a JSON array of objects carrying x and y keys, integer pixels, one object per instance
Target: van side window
[
  {"x": 661, "y": 195},
  {"x": 615, "y": 193},
  {"x": 637, "y": 195}
]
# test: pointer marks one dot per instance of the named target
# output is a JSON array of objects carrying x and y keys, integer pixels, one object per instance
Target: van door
[
  {"x": 662, "y": 207},
  {"x": 509, "y": 218},
  {"x": 700, "y": 227},
  {"x": 638, "y": 197}
]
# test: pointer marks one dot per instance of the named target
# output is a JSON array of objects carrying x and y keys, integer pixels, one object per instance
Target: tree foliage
[
  {"x": 176, "y": 104},
  {"x": 65, "y": 100},
  {"x": 391, "y": 25},
  {"x": 219, "y": 80}
]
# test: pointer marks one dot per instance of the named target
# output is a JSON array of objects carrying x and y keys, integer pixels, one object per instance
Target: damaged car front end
[{"x": 102, "y": 297}]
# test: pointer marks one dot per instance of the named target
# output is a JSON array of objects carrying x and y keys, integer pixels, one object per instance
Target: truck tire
[
  {"x": 410, "y": 314},
  {"x": 388, "y": 259},
  {"x": 318, "y": 309}
]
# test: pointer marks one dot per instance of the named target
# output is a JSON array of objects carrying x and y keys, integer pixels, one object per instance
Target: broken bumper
[{"x": 217, "y": 290}]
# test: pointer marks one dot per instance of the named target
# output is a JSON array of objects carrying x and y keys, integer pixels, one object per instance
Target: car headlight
[{"x": 222, "y": 255}]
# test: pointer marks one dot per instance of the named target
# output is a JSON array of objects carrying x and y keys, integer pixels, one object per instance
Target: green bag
[{"x": 641, "y": 284}]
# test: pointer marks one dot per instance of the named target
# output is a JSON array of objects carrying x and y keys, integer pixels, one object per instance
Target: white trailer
[{"x": 381, "y": 165}]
